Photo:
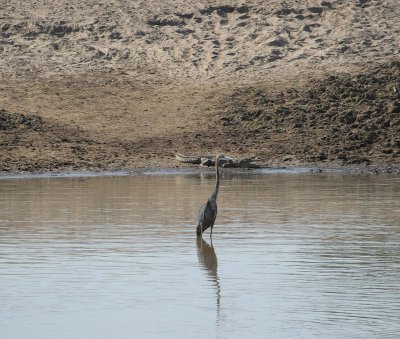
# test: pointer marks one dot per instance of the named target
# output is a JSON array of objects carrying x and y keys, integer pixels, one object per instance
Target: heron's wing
[{"x": 200, "y": 215}]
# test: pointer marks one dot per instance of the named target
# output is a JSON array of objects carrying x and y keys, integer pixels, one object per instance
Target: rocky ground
[{"x": 126, "y": 84}]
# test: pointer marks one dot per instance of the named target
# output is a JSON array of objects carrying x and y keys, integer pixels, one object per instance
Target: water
[{"x": 293, "y": 256}]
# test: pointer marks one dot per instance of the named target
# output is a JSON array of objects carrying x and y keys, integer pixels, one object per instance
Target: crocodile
[
  {"x": 209, "y": 160},
  {"x": 191, "y": 159}
]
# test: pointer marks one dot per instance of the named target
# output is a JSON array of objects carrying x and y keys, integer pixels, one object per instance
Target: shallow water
[{"x": 293, "y": 256}]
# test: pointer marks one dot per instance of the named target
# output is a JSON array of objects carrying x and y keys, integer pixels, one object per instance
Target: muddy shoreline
[
  {"x": 349, "y": 121},
  {"x": 344, "y": 170}
]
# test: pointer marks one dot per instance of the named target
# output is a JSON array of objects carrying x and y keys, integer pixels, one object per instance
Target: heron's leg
[{"x": 211, "y": 232}]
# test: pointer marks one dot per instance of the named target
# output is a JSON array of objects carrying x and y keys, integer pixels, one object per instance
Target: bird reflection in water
[{"x": 209, "y": 263}]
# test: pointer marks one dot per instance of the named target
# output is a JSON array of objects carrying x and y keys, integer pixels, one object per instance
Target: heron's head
[{"x": 218, "y": 158}]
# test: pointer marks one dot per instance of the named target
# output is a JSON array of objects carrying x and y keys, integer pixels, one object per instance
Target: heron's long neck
[{"x": 216, "y": 180}]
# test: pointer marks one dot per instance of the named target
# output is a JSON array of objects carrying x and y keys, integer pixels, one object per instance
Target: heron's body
[
  {"x": 208, "y": 211},
  {"x": 207, "y": 215}
]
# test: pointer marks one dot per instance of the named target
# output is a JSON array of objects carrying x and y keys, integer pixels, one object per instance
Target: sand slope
[{"x": 128, "y": 83}]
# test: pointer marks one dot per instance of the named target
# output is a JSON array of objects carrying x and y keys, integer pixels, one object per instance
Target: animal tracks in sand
[
  {"x": 183, "y": 40},
  {"x": 233, "y": 39}
]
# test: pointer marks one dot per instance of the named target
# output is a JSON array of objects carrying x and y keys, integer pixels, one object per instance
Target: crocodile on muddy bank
[{"x": 209, "y": 160}]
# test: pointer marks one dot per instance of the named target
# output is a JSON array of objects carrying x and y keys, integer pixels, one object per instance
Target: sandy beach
[{"x": 110, "y": 85}]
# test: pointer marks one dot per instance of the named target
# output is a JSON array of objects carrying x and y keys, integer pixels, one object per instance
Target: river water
[{"x": 294, "y": 255}]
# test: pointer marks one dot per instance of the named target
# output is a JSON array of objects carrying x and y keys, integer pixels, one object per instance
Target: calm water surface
[{"x": 293, "y": 256}]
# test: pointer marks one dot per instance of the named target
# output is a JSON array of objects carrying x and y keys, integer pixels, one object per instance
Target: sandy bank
[{"x": 110, "y": 86}]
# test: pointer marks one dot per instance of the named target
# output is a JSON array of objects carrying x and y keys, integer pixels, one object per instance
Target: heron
[{"x": 208, "y": 211}]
